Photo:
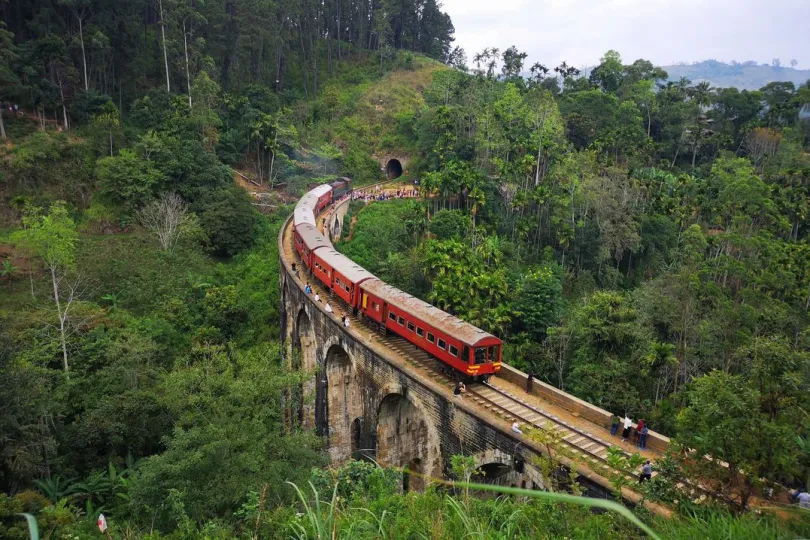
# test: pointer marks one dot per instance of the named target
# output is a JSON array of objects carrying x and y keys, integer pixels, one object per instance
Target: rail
[{"x": 442, "y": 384}]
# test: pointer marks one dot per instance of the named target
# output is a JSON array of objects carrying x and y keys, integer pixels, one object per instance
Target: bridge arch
[
  {"x": 343, "y": 402},
  {"x": 500, "y": 468},
  {"x": 303, "y": 358},
  {"x": 405, "y": 439}
]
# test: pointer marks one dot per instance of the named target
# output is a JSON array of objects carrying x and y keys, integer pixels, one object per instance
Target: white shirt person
[
  {"x": 328, "y": 308},
  {"x": 516, "y": 428}
]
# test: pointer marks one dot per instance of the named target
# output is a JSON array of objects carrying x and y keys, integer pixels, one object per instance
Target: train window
[
  {"x": 376, "y": 306},
  {"x": 453, "y": 350},
  {"x": 493, "y": 353},
  {"x": 442, "y": 344},
  {"x": 420, "y": 332},
  {"x": 392, "y": 316},
  {"x": 431, "y": 338},
  {"x": 346, "y": 287},
  {"x": 411, "y": 327},
  {"x": 401, "y": 321},
  {"x": 481, "y": 355}
]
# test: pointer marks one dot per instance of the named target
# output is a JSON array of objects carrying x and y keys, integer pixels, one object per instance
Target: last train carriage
[{"x": 457, "y": 345}]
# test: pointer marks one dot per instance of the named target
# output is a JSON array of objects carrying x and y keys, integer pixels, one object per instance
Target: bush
[
  {"x": 228, "y": 218},
  {"x": 127, "y": 181}
]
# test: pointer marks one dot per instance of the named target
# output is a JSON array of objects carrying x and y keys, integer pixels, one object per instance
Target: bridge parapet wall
[
  {"x": 368, "y": 403},
  {"x": 592, "y": 413}
]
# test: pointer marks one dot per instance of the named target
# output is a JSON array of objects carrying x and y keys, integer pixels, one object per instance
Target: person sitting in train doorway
[
  {"x": 308, "y": 289},
  {"x": 328, "y": 308},
  {"x": 516, "y": 428},
  {"x": 460, "y": 389}
]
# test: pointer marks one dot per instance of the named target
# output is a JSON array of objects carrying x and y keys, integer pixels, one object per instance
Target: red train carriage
[
  {"x": 303, "y": 215},
  {"x": 324, "y": 195},
  {"x": 307, "y": 239},
  {"x": 340, "y": 274},
  {"x": 457, "y": 344}
]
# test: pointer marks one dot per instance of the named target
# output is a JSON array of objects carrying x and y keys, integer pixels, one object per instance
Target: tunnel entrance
[{"x": 393, "y": 169}]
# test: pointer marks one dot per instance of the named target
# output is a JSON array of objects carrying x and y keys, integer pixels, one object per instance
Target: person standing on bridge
[
  {"x": 529, "y": 382},
  {"x": 614, "y": 424},
  {"x": 308, "y": 289},
  {"x": 628, "y": 425},
  {"x": 317, "y": 297},
  {"x": 642, "y": 436}
]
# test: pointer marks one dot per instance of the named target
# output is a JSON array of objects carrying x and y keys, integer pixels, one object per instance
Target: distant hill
[{"x": 745, "y": 75}]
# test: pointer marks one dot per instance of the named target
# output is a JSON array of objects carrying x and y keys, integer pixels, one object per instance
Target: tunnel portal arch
[{"x": 393, "y": 169}]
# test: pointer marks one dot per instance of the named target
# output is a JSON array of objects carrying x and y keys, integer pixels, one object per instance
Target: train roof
[
  {"x": 312, "y": 238},
  {"x": 441, "y": 320},
  {"x": 304, "y": 214},
  {"x": 309, "y": 200},
  {"x": 353, "y": 271},
  {"x": 321, "y": 190}
]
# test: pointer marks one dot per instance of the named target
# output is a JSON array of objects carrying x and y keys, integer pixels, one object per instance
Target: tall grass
[{"x": 323, "y": 520}]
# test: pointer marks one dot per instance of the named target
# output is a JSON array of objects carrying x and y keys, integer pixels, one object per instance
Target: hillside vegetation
[{"x": 645, "y": 250}]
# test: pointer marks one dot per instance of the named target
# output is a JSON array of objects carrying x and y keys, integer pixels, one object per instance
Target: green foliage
[
  {"x": 198, "y": 460},
  {"x": 127, "y": 181},
  {"x": 449, "y": 225},
  {"x": 539, "y": 302},
  {"x": 228, "y": 219}
]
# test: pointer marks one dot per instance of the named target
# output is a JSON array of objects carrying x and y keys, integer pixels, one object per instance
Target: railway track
[{"x": 580, "y": 444}]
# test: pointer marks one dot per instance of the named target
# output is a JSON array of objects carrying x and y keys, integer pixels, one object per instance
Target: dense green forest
[{"x": 641, "y": 244}]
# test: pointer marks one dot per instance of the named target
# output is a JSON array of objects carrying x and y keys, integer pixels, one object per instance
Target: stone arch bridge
[{"x": 370, "y": 401}]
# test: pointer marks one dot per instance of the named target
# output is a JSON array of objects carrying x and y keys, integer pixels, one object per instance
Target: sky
[{"x": 662, "y": 31}]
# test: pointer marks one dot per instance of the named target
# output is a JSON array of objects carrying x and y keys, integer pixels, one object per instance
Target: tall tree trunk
[
  {"x": 84, "y": 56},
  {"x": 165, "y": 53},
  {"x": 62, "y": 318},
  {"x": 64, "y": 109},
  {"x": 273, "y": 159},
  {"x": 188, "y": 75}
]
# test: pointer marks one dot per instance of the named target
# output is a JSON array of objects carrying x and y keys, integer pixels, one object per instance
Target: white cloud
[{"x": 663, "y": 31}]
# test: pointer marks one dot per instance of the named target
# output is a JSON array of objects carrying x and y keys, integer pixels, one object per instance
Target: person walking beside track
[{"x": 646, "y": 472}]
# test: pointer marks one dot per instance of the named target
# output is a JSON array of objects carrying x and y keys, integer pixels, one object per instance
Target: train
[{"x": 459, "y": 347}]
